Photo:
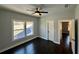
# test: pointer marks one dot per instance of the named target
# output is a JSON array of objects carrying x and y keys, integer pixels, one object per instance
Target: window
[
  {"x": 22, "y": 29},
  {"x": 18, "y": 30},
  {"x": 29, "y": 28}
]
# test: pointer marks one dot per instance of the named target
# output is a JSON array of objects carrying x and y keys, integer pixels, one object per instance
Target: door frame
[
  {"x": 60, "y": 28},
  {"x": 76, "y": 36},
  {"x": 72, "y": 35}
]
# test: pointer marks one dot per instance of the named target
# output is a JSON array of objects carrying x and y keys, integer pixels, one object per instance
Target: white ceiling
[{"x": 22, "y": 8}]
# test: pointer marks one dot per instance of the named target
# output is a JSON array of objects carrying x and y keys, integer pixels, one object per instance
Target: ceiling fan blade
[
  {"x": 37, "y": 9},
  {"x": 43, "y": 12}
]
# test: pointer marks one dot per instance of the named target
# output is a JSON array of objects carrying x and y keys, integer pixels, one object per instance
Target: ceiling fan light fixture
[
  {"x": 36, "y": 14},
  {"x": 38, "y": 11}
]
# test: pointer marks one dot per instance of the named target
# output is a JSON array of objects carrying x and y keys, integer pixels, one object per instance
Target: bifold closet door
[{"x": 51, "y": 30}]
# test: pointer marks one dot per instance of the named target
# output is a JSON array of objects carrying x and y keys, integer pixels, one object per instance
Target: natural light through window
[
  {"x": 22, "y": 29},
  {"x": 29, "y": 28},
  {"x": 18, "y": 29}
]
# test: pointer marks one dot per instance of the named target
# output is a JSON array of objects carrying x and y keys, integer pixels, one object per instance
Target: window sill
[{"x": 22, "y": 38}]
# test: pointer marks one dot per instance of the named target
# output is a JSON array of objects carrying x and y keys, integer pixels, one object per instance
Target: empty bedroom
[{"x": 39, "y": 28}]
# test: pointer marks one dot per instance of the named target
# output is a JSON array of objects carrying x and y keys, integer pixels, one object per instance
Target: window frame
[{"x": 25, "y": 32}]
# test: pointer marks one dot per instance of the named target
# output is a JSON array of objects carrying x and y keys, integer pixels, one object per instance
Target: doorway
[
  {"x": 65, "y": 27},
  {"x": 67, "y": 31}
]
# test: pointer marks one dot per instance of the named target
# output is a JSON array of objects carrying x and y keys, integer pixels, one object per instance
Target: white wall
[
  {"x": 6, "y": 33},
  {"x": 55, "y": 14},
  {"x": 43, "y": 28}
]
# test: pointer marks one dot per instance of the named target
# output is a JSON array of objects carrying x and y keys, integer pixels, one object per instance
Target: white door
[{"x": 51, "y": 30}]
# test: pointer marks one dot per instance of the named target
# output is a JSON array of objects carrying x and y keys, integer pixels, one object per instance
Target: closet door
[{"x": 51, "y": 30}]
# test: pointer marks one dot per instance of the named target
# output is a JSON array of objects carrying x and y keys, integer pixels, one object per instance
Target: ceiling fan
[{"x": 38, "y": 10}]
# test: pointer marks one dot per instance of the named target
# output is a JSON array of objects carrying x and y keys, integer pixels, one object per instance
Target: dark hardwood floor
[{"x": 40, "y": 46}]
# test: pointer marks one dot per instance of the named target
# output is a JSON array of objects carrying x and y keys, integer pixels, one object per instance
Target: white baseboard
[
  {"x": 57, "y": 42},
  {"x": 43, "y": 38},
  {"x": 17, "y": 44}
]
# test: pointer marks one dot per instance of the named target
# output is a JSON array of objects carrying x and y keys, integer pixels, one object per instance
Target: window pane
[
  {"x": 29, "y": 28},
  {"x": 18, "y": 25},
  {"x": 19, "y": 34}
]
